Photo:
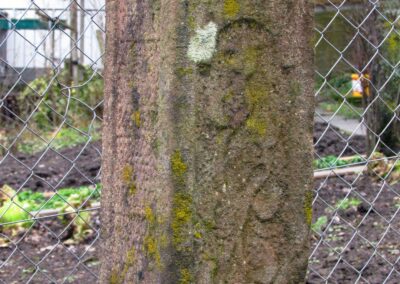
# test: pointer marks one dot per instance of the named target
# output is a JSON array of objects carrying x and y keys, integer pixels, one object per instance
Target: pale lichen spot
[{"x": 203, "y": 44}]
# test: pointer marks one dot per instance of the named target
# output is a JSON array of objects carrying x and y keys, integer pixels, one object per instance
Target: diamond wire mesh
[
  {"x": 50, "y": 109},
  {"x": 356, "y": 223}
]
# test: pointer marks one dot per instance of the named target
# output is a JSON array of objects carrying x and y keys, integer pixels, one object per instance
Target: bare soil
[
  {"x": 330, "y": 140},
  {"x": 360, "y": 243},
  {"x": 52, "y": 169},
  {"x": 46, "y": 253}
]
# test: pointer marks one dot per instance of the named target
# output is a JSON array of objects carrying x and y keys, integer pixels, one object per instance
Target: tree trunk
[{"x": 207, "y": 141}]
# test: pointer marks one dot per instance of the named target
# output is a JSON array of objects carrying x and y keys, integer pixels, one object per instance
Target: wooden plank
[{"x": 340, "y": 171}]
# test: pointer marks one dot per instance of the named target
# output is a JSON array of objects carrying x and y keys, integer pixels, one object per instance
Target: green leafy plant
[
  {"x": 347, "y": 203},
  {"x": 331, "y": 161},
  {"x": 319, "y": 224},
  {"x": 12, "y": 209},
  {"x": 15, "y": 208},
  {"x": 50, "y": 95},
  {"x": 75, "y": 196}
]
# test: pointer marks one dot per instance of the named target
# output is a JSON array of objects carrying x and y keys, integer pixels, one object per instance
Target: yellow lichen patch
[
  {"x": 250, "y": 60},
  {"x": 182, "y": 72},
  {"x": 256, "y": 125},
  {"x": 197, "y": 235},
  {"x": 130, "y": 257},
  {"x": 178, "y": 167},
  {"x": 136, "y": 118},
  {"x": 114, "y": 277},
  {"x": 155, "y": 239},
  {"x": 185, "y": 277},
  {"x": 127, "y": 173},
  {"x": 149, "y": 215},
  {"x": 231, "y": 8},
  {"x": 163, "y": 241},
  {"x": 128, "y": 178},
  {"x": 256, "y": 98},
  {"x": 132, "y": 188},
  {"x": 182, "y": 215},
  {"x": 152, "y": 250},
  {"x": 308, "y": 206},
  {"x": 129, "y": 261}
]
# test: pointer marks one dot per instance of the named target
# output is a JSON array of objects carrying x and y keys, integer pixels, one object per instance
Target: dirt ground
[
  {"x": 329, "y": 140},
  {"x": 366, "y": 235},
  {"x": 359, "y": 243},
  {"x": 45, "y": 254},
  {"x": 49, "y": 169},
  {"x": 80, "y": 165}
]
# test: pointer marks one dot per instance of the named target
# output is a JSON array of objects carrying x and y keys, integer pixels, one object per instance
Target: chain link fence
[
  {"x": 356, "y": 221},
  {"x": 50, "y": 140},
  {"x": 50, "y": 112}
]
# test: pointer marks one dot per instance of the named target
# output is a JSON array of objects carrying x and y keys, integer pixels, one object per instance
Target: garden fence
[{"x": 50, "y": 141}]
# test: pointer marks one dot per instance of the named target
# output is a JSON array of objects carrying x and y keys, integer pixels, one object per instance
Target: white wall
[{"x": 29, "y": 48}]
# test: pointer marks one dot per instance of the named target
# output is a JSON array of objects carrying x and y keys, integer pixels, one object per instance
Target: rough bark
[{"x": 207, "y": 141}]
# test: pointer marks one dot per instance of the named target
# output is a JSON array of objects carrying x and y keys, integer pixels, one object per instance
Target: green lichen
[
  {"x": 256, "y": 98},
  {"x": 198, "y": 229},
  {"x": 182, "y": 72},
  {"x": 228, "y": 97},
  {"x": 251, "y": 56},
  {"x": 127, "y": 177},
  {"x": 163, "y": 241},
  {"x": 256, "y": 125},
  {"x": 295, "y": 88},
  {"x": 182, "y": 215},
  {"x": 191, "y": 22},
  {"x": 231, "y": 8},
  {"x": 308, "y": 199},
  {"x": 132, "y": 188},
  {"x": 136, "y": 118},
  {"x": 185, "y": 276},
  {"x": 197, "y": 235},
  {"x": 209, "y": 225}
]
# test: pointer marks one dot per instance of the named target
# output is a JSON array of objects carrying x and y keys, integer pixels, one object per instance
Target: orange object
[{"x": 356, "y": 86}]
